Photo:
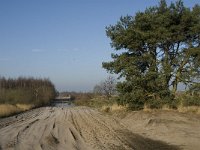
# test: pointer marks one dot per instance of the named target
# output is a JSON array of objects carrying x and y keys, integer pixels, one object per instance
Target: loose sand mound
[
  {"x": 81, "y": 128},
  {"x": 169, "y": 126}
]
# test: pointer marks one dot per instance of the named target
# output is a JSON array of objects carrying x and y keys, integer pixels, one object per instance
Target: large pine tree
[{"x": 157, "y": 49}]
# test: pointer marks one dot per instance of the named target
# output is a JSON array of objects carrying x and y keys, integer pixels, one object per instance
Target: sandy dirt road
[{"x": 76, "y": 128}]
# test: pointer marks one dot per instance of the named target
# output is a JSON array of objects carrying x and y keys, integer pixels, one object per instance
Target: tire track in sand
[{"x": 77, "y": 128}]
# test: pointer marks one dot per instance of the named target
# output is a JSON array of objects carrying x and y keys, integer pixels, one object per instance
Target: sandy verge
[
  {"x": 77, "y": 128},
  {"x": 172, "y": 127}
]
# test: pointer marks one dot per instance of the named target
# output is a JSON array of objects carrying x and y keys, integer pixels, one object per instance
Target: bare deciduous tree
[{"x": 107, "y": 87}]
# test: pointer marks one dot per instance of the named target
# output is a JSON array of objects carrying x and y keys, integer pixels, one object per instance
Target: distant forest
[{"x": 26, "y": 91}]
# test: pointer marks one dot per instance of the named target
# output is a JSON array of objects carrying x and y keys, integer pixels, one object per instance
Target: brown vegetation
[{"x": 8, "y": 109}]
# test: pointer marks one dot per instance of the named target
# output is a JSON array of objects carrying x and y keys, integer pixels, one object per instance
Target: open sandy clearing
[{"x": 80, "y": 128}]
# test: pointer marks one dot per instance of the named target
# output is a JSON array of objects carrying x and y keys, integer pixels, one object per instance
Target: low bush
[
  {"x": 94, "y": 101},
  {"x": 188, "y": 100}
]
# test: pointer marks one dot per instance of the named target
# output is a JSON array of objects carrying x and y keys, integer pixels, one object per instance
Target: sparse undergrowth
[
  {"x": 184, "y": 103},
  {"x": 95, "y": 101},
  {"x": 101, "y": 103}
]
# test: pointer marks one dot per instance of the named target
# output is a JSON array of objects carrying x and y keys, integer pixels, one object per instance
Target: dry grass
[
  {"x": 180, "y": 108},
  {"x": 147, "y": 108},
  {"x": 8, "y": 109},
  {"x": 112, "y": 108},
  {"x": 24, "y": 107},
  {"x": 166, "y": 107},
  {"x": 189, "y": 109}
]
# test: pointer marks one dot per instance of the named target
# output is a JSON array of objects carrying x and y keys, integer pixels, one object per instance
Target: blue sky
[{"x": 64, "y": 40}]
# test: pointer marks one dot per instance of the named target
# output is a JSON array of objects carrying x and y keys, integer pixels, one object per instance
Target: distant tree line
[{"x": 26, "y": 90}]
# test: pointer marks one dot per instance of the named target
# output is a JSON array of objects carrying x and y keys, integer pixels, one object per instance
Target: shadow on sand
[{"x": 139, "y": 142}]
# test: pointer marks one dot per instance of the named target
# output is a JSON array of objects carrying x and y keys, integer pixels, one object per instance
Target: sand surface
[
  {"x": 76, "y": 128},
  {"x": 172, "y": 127}
]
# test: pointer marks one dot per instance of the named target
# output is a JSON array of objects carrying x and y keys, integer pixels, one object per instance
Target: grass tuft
[
  {"x": 113, "y": 108},
  {"x": 189, "y": 109},
  {"x": 147, "y": 108}
]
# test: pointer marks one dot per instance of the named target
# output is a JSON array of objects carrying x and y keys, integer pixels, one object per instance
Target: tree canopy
[{"x": 156, "y": 50}]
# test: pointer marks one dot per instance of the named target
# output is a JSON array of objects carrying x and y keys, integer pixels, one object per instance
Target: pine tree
[{"x": 159, "y": 48}]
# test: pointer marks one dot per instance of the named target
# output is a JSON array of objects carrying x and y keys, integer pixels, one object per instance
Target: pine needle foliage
[{"x": 155, "y": 51}]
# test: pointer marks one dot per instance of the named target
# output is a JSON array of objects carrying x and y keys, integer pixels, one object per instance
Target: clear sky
[{"x": 64, "y": 40}]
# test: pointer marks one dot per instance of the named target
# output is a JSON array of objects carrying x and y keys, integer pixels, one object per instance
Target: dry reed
[{"x": 8, "y": 109}]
